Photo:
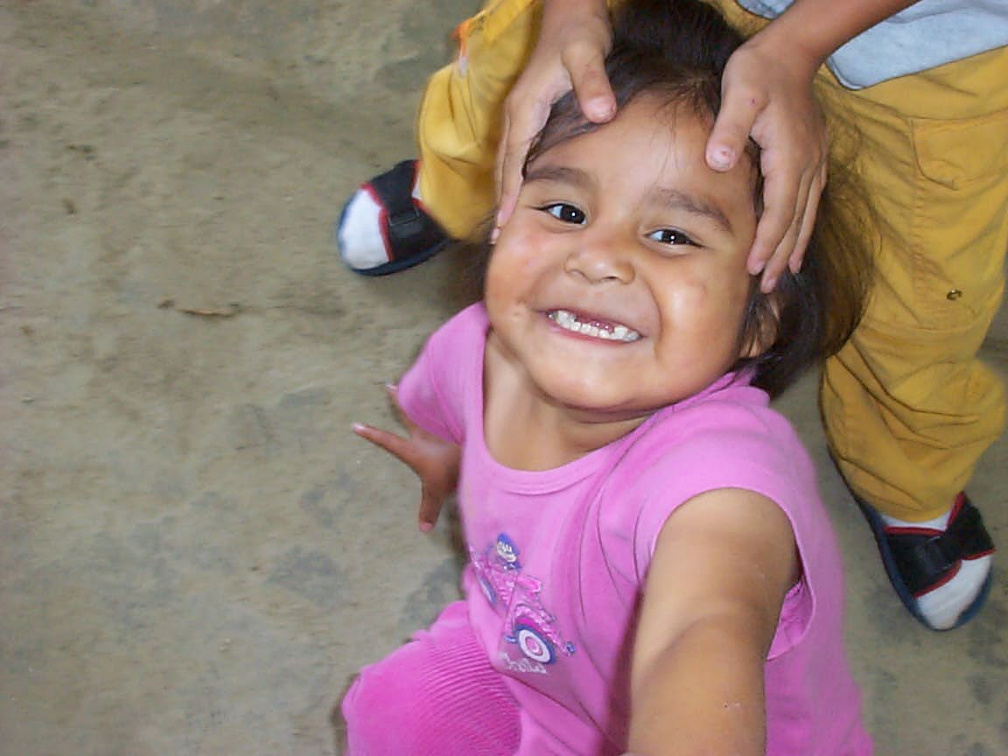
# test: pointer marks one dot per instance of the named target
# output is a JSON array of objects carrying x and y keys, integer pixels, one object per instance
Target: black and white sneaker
[{"x": 384, "y": 227}]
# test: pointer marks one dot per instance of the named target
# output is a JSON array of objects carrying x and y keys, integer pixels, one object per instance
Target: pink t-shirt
[{"x": 558, "y": 558}]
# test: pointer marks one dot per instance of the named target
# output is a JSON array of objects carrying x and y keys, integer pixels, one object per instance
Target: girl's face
[{"x": 619, "y": 284}]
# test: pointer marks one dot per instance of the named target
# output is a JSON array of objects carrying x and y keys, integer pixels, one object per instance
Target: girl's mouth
[{"x": 596, "y": 328}]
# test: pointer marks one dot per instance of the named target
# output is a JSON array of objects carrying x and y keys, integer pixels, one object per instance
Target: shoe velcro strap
[
  {"x": 395, "y": 190},
  {"x": 410, "y": 230},
  {"x": 924, "y": 560}
]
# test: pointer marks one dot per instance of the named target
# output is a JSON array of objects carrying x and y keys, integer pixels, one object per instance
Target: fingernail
[
  {"x": 426, "y": 527},
  {"x": 391, "y": 387},
  {"x": 756, "y": 267},
  {"x": 601, "y": 107},
  {"x": 357, "y": 427},
  {"x": 768, "y": 285},
  {"x": 721, "y": 158},
  {"x": 494, "y": 234}
]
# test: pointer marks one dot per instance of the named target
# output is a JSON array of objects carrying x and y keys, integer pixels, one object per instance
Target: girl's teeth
[{"x": 568, "y": 321}]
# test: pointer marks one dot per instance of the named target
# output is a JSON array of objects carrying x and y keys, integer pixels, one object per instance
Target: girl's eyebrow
[
  {"x": 560, "y": 174},
  {"x": 675, "y": 199}
]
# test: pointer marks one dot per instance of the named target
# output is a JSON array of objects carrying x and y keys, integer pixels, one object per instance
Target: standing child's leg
[
  {"x": 406, "y": 215},
  {"x": 908, "y": 407},
  {"x": 436, "y": 695}
]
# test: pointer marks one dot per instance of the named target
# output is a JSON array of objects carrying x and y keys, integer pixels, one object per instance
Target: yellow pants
[{"x": 907, "y": 406}]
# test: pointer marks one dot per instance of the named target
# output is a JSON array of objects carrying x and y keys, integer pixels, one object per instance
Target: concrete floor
[{"x": 195, "y": 552}]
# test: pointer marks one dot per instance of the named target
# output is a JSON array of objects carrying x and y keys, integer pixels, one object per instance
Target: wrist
[
  {"x": 568, "y": 12},
  {"x": 590, "y": 6},
  {"x": 800, "y": 48},
  {"x": 809, "y": 31}
]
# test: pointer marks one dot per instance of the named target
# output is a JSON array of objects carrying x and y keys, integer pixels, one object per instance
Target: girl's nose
[{"x": 598, "y": 259}]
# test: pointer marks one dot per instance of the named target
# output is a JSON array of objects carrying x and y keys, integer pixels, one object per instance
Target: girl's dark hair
[{"x": 678, "y": 50}]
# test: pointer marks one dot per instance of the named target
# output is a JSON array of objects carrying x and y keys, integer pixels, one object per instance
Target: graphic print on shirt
[{"x": 514, "y": 596}]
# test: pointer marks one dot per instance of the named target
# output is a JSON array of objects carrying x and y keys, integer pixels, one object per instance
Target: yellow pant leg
[
  {"x": 908, "y": 407},
  {"x": 459, "y": 122}
]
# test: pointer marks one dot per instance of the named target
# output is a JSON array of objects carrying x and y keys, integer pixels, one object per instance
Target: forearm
[
  {"x": 551, "y": 8},
  {"x": 560, "y": 16},
  {"x": 810, "y": 30},
  {"x": 702, "y": 695}
]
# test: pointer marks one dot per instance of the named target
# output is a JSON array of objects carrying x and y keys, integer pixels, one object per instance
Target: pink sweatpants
[{"x": 436, "y": 695}]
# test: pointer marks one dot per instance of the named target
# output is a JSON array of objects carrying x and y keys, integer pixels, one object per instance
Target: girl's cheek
[
  {"x": 505, "y": 274},
  {"x": 689, "y": 294},
  {"x": 520, "y": 248}
]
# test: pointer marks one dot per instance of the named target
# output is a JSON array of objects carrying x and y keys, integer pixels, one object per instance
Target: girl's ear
[{"x": 762, "y": 325}]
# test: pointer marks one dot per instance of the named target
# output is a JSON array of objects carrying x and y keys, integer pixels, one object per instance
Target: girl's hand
[
  {"x": 434, "y": 460},
  {"x": 574, "y": 40},
  {"x": 767, "y": 95}
]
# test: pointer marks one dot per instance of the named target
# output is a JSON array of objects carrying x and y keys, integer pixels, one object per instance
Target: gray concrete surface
[{"x": 195, "y": 553}]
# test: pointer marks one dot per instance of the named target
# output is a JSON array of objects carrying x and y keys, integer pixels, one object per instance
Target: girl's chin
[{"x": 585, "y": 400}]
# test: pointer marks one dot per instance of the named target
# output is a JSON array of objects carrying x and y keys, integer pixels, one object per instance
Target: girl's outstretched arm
[
  {"x": 434, "y": 460},
  {"x": 722, "y": 565}
]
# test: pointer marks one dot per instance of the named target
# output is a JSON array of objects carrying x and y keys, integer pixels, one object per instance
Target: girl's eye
[
  {"x": 670, "y": 236},
  {"x": 564, "y": 212}
]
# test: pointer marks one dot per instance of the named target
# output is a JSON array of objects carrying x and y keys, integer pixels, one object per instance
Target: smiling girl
[{"x": 651, "y": 568}]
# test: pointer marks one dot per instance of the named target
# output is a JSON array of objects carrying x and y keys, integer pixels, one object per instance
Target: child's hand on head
[
  {"x": 434, "y": 460},
  {"x": 573, "y": 42},
  {"x": 767, "y": 95}
]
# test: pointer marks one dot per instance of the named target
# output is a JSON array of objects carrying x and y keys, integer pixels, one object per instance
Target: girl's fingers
[
  {"x": 727, "y": 141},
  {"x": 591, "y": 85},
  {"x": 787, "y": 223},
  {"x": 507, "y": 188},
  {"x": 778, "y": 262},
  {"x": 779, "y": 259},
  {"x": 780, "y": 197},
  {"x": 520, "y": 129},
  {"x": 392, "y": 391},
  {"x": 429, "y": 457},
  {"x": 430, "y": 510},
  {"x": 731, "y": 128},
  {"x": 397, "y": 446},
  {"x": 807, "y": 225}
]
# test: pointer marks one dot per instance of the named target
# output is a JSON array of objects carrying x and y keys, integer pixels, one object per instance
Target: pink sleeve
[
  {"x": 743, "y": 453},
  {"x": 757, "y": 452},
  {"x": 434, "y": 392}
]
